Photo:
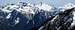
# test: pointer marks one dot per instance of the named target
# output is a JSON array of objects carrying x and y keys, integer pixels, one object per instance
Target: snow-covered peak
[
  {"x": 9, "y": 7},
  {"x": 67, "y": 6},
  {"x": 27, "y": 8},
  {"x": 45, "y": 7},
  {"x": 23, "y": 9}
]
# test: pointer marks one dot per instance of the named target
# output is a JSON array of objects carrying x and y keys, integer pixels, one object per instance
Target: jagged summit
[{"x": 26, "y": 7}]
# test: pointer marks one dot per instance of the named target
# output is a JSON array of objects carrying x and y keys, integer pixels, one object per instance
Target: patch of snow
[
  {"x": 17, "y": 21},
  {"x": 8, "y": 16},
  {"x": 41, "y": 28}
]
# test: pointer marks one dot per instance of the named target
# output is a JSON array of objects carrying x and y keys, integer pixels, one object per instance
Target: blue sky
[{"x": 56, "y": 3}]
